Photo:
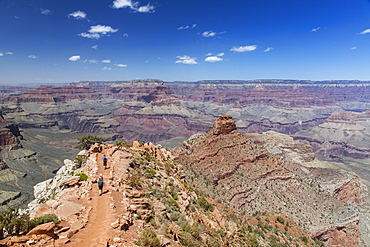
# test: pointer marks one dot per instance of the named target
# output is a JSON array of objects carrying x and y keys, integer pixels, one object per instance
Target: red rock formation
[
  {"x": 225, "y": 124},
  {"x": 251, "y": 179}
]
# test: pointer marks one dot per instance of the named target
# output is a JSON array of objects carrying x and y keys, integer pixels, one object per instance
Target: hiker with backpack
[
  {"x": 100, "y": 184},
  {"x": 105, "y": 160}
]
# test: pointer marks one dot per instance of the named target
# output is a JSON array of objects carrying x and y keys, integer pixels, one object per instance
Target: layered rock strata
[{"x": 273, "y": 173}]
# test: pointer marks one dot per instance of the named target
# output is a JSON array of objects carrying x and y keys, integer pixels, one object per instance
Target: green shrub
[
  {"x": 83, "y": 176},
  {"x": 280, "y": 219},
  {"x": 42, "y": 200},
  {"x": 148, "y": 157},
  {"x": 134, "y": 178},
  {"x": 149, "y": 238},
  {"x": 44, "y": 219},
  {"x": 150, "y": 173},
  {"x": 304, "y": 239},
  {"x": 153, "y": 223},
  {"x": 79, "y": 161},
  {"x": 122, "y": 144},
  {"x": 171, "y": 203},
  {"x": 87, "y": 141},
  {"x": 203, "y": 203},
  {"x": 195, "y": 229},
  {"x": 15, "y": 223}
]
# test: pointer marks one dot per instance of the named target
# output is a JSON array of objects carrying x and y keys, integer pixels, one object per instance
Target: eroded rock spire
[{"x": 225, "y": 124}]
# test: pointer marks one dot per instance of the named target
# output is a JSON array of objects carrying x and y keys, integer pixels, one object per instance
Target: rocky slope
[
  {"x": 19, "y": 167},
  {"x": 271, "y": 172},
  {"x": 146, "y": 201}
]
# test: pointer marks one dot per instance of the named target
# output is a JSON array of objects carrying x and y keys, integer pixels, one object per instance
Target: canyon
[
  {"x": 312, "y": 134},
  {"x": 149, "y": 189}
]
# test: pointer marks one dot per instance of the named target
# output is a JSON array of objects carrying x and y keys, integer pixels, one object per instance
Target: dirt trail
[{"x": 98, "y": 230}]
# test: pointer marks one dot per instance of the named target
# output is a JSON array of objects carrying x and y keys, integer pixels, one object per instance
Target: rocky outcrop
[
  {"x": 224, "y": 125},
  {"x": 273, "y": 173}
]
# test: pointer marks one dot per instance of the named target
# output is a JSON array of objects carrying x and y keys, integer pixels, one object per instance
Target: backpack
[{"x": 100, "y": 181}]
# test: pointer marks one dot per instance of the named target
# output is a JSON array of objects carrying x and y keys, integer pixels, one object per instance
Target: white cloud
[
  {"x": 32, "y": 56},
  {"x": 146, "y": 9},
  {"x": 105, "y": 61},
  {"x": 46, "y": 12},
  {"x": 107, "y": 68},
  {"x": 187, "y": 27},
  {"x": 268, "y": 49},
  {"x": 208, "y": 34},
  {"x": 102, "y": 29},
  {"x": 97, "y": 31},
  {"x": 186, "y": 60},
  {"x": 365, "y": 31},
  {"x": 1, "y": 54},
  {"x": 125, "y": 35},
  {"x": 9, "y": 53},
  {"x": 118, "y": 4},
  {"x": 91, "y": 61},
  {"x": 79, "y": 15},
  {"x": 315, "y": 29},
  {"x": 90, "y": 35},
  {"x": 134, "y": 5},
  {"x": 74, "y": 58},
  {"x": 94, "y": 47},
  {"x": 243, "y": 48},
  {"x": 353, "y": 48},
  {"x": 213, "y": 59},
  {"x": 121, "y": 65}
]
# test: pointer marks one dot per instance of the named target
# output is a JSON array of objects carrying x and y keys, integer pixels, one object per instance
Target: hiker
[
  {"x": 105, "y": 160},
  {"x": 100, "y": 184}
]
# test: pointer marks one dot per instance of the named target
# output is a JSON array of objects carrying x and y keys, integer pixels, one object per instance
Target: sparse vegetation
[
  {"x": 87, "y": 141},
  {"x": 304, "y": 239},
  {"x": 203, "y": 203},
  {"x": 149, "y": 238},
  {"x": 134, "y": 178},
  {"x": 83, "y": 176},
  {"x": 280, "y": 219},
  {"x": 122, "y": 144},
  {"x": 15, "y": 223},
  {"x": 79, "y": 161}
]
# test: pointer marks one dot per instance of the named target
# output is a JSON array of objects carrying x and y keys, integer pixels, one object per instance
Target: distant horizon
[{"x": 31, "y": 85}]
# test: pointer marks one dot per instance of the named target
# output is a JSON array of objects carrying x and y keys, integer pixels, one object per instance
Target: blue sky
[{"x": 53, "y": 41}]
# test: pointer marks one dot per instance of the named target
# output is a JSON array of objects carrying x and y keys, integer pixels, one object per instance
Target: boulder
[
  {"x": 136, "y": 144},
  {"x": 46, "y": 228},
  {"x": 71, "y": 181},
  {"x": 67, "y": 209},
  {"x": 225, "y": 124}
]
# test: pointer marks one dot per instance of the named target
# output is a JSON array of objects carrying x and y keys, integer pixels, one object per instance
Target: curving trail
[{"x": 97, "y": 231}]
